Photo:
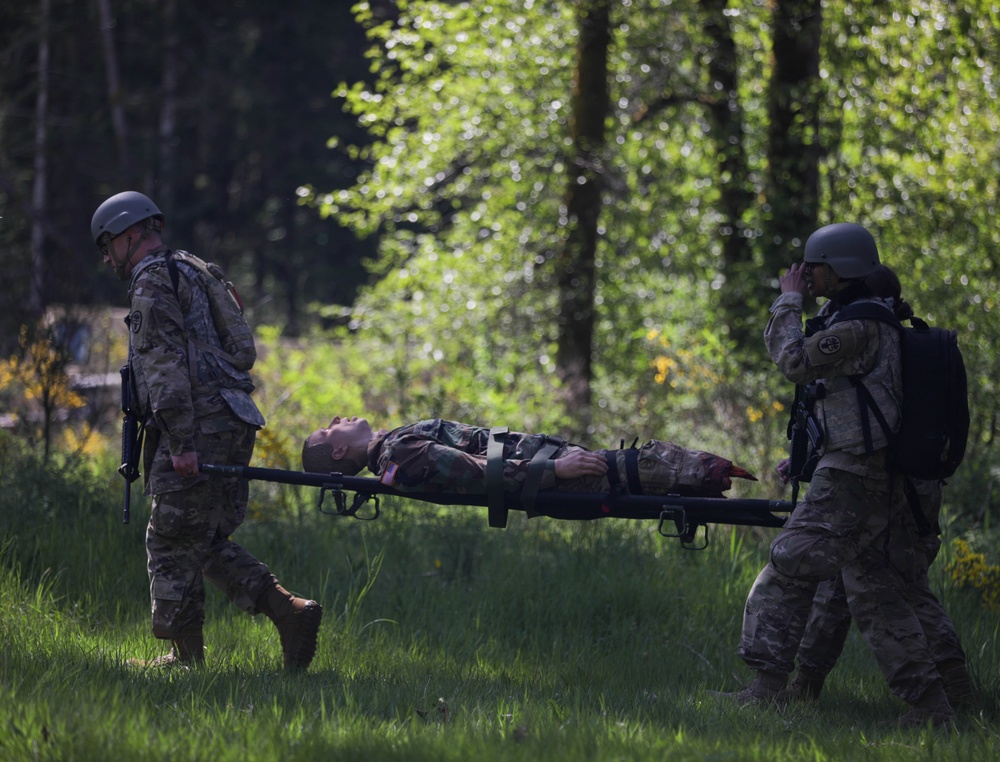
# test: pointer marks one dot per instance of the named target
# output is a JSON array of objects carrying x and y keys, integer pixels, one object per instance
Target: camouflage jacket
[
  {"x": 174, "y": 383},
  {"x": 830, "y": 356},
  {"x": 447, "y": 456}
]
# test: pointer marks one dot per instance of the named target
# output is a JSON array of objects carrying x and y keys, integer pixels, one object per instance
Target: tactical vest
[
  {"x": 209, "y": 370},
  {"x": 839, "y": 411}
]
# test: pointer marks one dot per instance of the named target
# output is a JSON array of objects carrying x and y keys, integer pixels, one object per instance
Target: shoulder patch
[
  {"x": 389, "y": 475},
  {"x": 139, "y": 320},
  {"x": 829, "y": 345},
  {"x": 837, "y": 343},
  {"x": 135, "y": 321}
]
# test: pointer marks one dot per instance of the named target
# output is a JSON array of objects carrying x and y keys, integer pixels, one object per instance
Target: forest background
[
  {"x": 559, "y": 216},
  {"x": 552, "y": 215}
]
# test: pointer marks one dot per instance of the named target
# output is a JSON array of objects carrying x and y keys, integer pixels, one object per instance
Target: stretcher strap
[
  {"x": 632, "y": 471},
  {"x": 536, "y": 470},
  {"x": 614, "y": 481},
  {"x": 496, "y": 509}
]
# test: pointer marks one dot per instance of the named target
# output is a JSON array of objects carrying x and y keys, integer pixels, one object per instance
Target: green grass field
[{"x": 442, "y": 640}]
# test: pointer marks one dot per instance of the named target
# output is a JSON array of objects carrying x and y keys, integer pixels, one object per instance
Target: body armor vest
[{"x": 839, "y": 409}]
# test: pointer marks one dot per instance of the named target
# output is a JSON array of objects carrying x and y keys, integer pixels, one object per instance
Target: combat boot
[
  {"x": 957, "y": 684},
  {"x": 297, "y": 620},
  {"x": 932, "y": 707},
  {"x": 805, "y": 686},
  {"x": 766, "y": 689},
  {"x": 187, "y": 650}
]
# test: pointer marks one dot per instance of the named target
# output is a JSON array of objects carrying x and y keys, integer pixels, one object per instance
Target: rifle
[
  {"x": 806, "y": 436},
  {"x": 132, "y": 432},
  {"x": 688, "y": 513}
]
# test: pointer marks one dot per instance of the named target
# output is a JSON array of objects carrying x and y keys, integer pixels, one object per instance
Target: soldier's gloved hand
[{"x": 782, "y": 470}]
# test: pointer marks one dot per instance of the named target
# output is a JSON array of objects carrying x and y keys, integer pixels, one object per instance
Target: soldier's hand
[
  {"x": 783, "y": 468},
  {"x": 794, "y": 279},
  {"x": 185, "y": 464},
  {"x": 578, "y": 463}
]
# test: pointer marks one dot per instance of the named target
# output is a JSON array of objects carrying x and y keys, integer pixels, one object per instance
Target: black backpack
[{"x": 934, "y": 421}]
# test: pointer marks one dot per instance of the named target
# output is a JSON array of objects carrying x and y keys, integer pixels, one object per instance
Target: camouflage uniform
[
  {"x": 446, "y": 456},
  {"x": 193, "y": 400},
  {"x": 830, "y": 619},
  {"x": 843, "y": 524}
]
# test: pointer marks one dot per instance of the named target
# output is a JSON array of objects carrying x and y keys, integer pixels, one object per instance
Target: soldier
[
  {"x": 197, "y": 407},
  {"x": 842, "y": 526},
  {"x": 447, "y": 456},
  {"x": 830, "y": 619}
]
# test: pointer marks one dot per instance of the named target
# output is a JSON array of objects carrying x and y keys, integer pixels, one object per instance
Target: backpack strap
[
  {"x": 867, "y": 311},
  {"x": 866, "y": 401},
  {"x": 881, "y": 313},
  {"x": 204, "y": 346},
  {"x": 924, "y": 527}
]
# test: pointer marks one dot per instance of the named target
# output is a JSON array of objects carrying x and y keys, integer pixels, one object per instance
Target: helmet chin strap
[{"x": 120, "y": 266}]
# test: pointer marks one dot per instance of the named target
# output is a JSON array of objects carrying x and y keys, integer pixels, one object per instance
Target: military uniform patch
[
  {"x": 389, "y": 474},
  {"x": 829, "y": 345},
  {"x": 135, "y": 321}
]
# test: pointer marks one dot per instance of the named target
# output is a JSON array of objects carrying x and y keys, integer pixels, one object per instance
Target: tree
[{"x": 575, "y": 269}]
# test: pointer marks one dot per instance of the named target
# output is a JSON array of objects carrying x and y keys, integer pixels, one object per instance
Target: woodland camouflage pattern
[
  {"x": 192, "y": 403},
  {"x": 830, "y": 620},
  {"x": 843, "y": 525},
  {"x": 446, "y": 456}
]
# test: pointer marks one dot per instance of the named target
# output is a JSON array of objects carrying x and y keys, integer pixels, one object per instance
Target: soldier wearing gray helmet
[
  {"x": 843, "y": 524},
  {"x": 195, "y": 400}
]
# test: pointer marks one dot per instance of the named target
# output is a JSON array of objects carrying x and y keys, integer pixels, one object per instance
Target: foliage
[
  {"x": 971, "y": 569},
  {"x": 35, "y": 383},
  {"x": 442, "y": 640}
]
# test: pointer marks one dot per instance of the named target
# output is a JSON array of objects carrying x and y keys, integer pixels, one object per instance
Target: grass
[{"x": 442, "y": 640}]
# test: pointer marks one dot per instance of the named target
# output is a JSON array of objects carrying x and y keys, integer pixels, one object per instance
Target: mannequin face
[{"x": 348, "y": 437}]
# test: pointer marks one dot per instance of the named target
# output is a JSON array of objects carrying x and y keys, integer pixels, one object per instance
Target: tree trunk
[
  {"x": 575, "y": 263},
  {"x": 168, "y": 111},
  {"x": 725, "y": 118},
  {"x": 114, "y": 89},
  {"x": 793, "y": 132},
  {"x": 36, "y": 296}
]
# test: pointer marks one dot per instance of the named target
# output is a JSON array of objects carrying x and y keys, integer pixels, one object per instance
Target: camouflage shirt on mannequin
[{"x": 447, "y": 456}]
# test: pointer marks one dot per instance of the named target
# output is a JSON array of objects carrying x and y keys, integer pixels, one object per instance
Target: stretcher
[{"x": 679, "y": 516}]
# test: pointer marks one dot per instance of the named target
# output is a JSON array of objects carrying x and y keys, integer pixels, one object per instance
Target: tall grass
[{"x": 442, "y": 639}]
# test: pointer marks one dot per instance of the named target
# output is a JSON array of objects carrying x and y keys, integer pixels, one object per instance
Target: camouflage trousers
[
  {"x": 187, "y": 538},
  {"x": 842, "y": 528},
  {"x": 830, "y": 620},
  {"x": 662, "y": 467}
]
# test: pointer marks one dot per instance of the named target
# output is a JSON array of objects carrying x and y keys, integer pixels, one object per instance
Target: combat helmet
[
  {"x": 120, "y": 212},
  {"x": 848, "y": 248}
]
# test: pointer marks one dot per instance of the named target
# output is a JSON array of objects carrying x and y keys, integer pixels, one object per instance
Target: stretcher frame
[{"x": 679, "y": 516}]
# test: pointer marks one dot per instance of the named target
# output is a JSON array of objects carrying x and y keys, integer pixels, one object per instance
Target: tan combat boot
[
  {"x": 187, "y": 650},
  {"x": 766, "y": 689},
  {"x": 297, "y": 621}
]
